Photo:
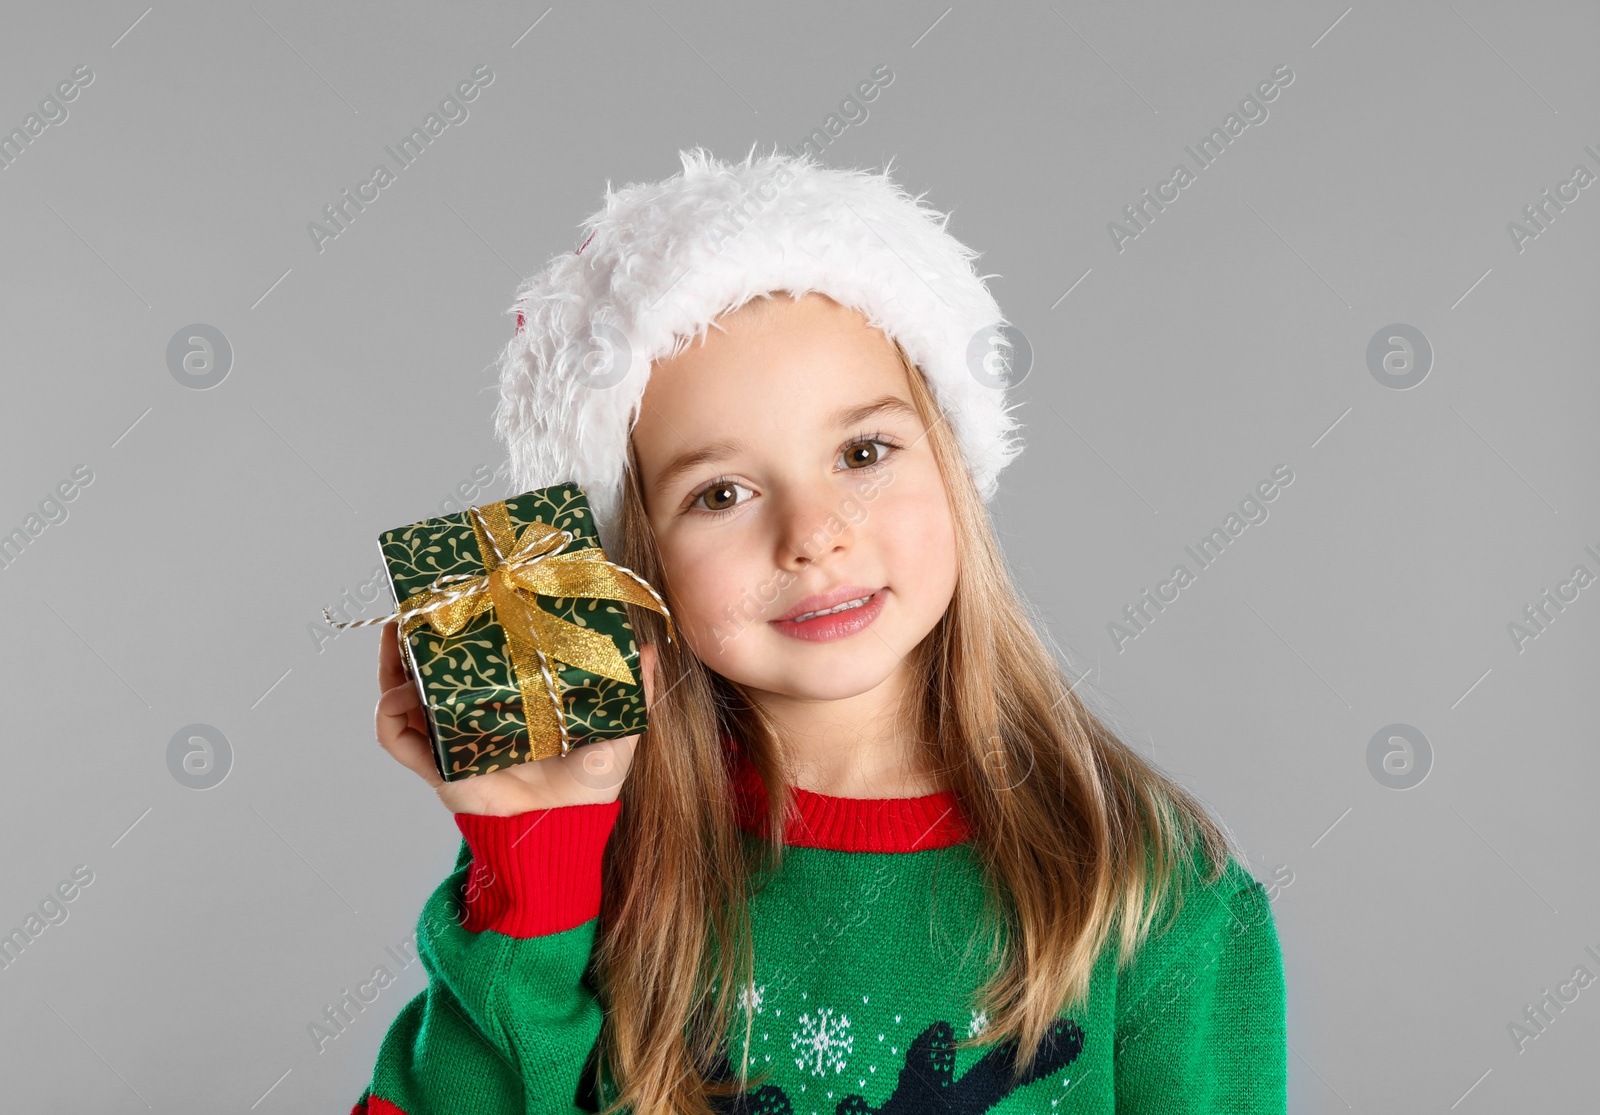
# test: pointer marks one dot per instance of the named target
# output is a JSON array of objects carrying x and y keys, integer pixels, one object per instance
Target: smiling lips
[
  {"x": 846, "y": 606},
  {"x": 832, "y": 615}
]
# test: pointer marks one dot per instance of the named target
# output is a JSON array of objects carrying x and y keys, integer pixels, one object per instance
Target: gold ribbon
[{"x": 531, "y": 564}]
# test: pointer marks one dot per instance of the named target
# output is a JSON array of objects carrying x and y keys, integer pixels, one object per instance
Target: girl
[{"x": 872, "y": 853}]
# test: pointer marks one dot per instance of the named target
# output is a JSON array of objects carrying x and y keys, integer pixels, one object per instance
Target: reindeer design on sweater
[{"x": 927, "y": 1081}]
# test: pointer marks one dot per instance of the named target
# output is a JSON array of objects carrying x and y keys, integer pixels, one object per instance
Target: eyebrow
[{"x": 727, "y": 447}]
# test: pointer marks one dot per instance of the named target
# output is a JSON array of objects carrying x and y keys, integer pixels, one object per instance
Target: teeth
[{"x": 845, "y": 607}]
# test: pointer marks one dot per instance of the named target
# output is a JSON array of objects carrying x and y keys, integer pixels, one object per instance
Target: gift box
[{"x": 512, "y": 626}]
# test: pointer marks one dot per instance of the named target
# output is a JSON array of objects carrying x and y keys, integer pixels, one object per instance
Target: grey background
[{"x": 1228, "y": 339}]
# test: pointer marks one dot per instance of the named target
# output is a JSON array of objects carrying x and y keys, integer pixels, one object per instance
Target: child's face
[{"x": 795, "y": 510}]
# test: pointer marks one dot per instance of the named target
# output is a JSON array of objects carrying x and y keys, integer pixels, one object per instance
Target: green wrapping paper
[{"x": 483, "y": 683}]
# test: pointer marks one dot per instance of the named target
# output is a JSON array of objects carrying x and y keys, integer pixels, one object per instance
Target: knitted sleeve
[
  {"x": 1201, "y": 1024},
  {"x": 508, "y": 1020}
]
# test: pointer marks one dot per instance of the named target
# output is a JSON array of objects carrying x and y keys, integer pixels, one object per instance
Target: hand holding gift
[
  {"x": 593, "y": 773},
  {"x": 511, "y": 634}
]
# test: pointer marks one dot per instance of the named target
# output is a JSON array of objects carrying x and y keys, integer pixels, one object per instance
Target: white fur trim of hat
[{"x": 662, "y": 260}]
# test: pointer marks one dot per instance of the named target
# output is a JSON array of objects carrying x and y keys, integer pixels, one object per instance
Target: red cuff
[
  {"x": 536, "y": 873},
  {"x": 373, "y": 1105}
]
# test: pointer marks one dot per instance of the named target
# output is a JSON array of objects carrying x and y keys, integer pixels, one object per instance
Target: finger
[
  {"x": 391, "y": 669},
  {"x": 419, "y": 761},
  {"x": 393, "y": 713},
  {"x": 398, "y": 734},
  {"x": 400, "y": 698}
]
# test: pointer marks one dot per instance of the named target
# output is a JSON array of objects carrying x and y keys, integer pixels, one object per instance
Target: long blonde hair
[{"x": 1078, "y": 836}]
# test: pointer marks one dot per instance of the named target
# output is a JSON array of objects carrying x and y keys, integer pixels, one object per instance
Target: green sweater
[{"x": 863, "y": 979}]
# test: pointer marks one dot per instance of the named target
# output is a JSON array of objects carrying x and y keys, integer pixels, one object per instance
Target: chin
[
  {"x": 815, "y": 689},
  {"x": 819, "y": 681}
]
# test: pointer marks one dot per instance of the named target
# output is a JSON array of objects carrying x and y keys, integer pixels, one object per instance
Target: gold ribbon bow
[{"x": 535, "y": 639}]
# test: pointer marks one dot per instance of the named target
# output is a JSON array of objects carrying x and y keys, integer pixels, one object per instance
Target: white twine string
[{"x": 447, "y": 598}]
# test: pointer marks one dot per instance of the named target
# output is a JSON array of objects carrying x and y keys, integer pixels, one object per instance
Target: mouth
[
  {"x": 839, "y": 598},
  {"x": 852, "y": 609},
  {"x": 848, "y": 605}
]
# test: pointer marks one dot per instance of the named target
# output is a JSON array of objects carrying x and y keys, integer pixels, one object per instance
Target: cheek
[
  {"x": 717, "y": 590},
  {"x": 912, "y": 527}
]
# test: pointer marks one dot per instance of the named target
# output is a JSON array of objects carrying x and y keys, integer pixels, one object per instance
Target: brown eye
[
  {"x": 863, "y": 454},
  {"x": 720, "y": 496}
]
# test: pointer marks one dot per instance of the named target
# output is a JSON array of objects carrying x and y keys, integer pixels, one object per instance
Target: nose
[{"x": 813, "y": 528}]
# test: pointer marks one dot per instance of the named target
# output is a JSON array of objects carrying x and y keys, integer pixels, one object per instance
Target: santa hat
[{"x": 662, "y": 260}]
